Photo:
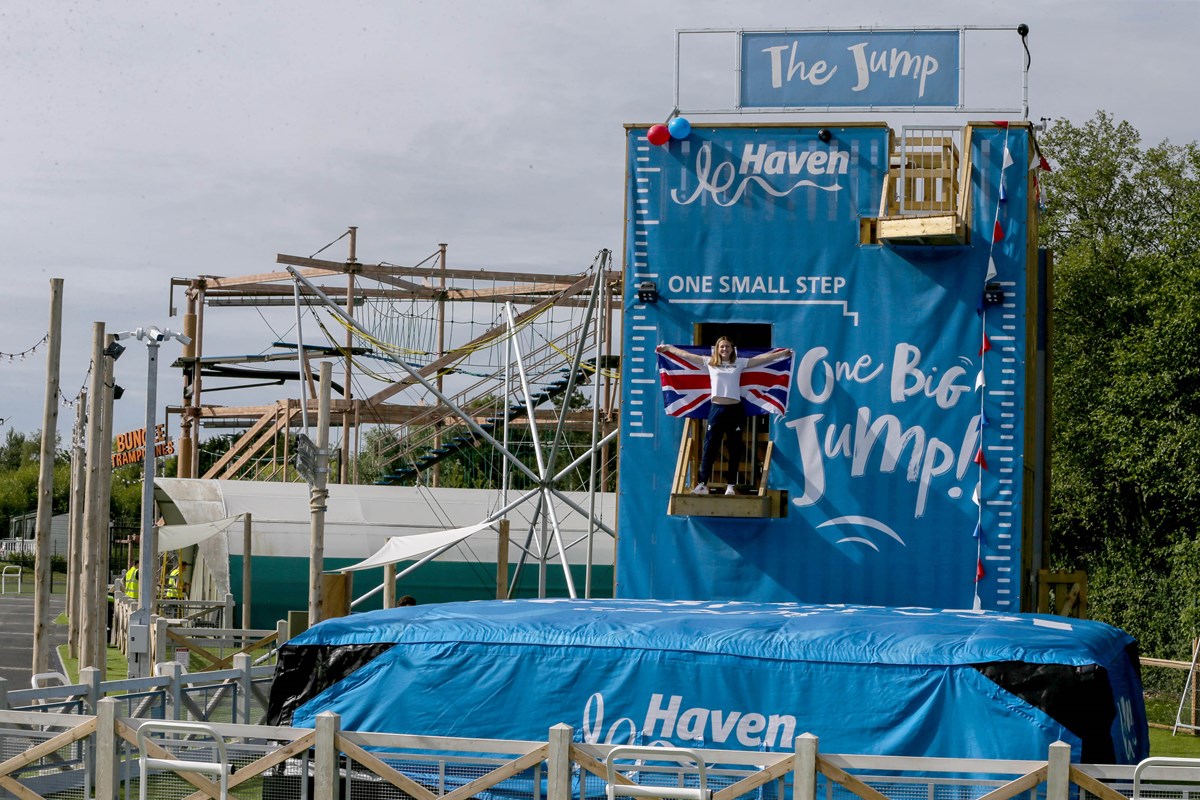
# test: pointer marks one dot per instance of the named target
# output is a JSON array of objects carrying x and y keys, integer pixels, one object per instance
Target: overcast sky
[{"x": 148, "y": 140}]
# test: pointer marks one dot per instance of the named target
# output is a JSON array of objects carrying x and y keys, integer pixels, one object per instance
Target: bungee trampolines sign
[{"x": 850, "y": 69}]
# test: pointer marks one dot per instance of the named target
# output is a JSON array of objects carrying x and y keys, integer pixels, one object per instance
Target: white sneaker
[
  {"x": 700, "y": 488},
  {"x": 730, "y": 489}
]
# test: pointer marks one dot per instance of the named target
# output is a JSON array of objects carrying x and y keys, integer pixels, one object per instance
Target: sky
[{"x": 143, "y": 140}]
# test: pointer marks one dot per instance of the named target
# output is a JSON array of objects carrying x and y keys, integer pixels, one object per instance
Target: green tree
[{"x": 1123, "y": 221}]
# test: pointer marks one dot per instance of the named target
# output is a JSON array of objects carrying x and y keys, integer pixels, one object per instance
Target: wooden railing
[{"x": 418, "y": 766}]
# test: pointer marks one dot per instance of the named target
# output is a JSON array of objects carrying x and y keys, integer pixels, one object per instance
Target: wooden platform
[
  {"x": 937, "y": 229},
  {"x": 752, "y": 506}
]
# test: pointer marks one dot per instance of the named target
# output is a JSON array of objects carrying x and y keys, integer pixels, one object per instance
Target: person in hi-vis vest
[
  {"x": 131, "y": 581},
  {"x": 175, "y": 585}
]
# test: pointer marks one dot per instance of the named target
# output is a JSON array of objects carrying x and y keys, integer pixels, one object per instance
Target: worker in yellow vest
[
  {"x": 131, "y": 581},
  {"x": 175, "y": 587}
]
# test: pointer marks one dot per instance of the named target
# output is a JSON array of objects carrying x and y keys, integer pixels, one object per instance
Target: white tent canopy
[
  {"x": 175, "y": 537},
  {"x": 408, "y": 548}
]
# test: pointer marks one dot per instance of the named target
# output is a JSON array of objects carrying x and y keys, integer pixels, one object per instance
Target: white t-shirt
[{"x": 727, "y": 379}]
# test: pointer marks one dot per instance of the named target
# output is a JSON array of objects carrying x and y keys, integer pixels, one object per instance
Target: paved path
[{"x": 16, "y": 637}]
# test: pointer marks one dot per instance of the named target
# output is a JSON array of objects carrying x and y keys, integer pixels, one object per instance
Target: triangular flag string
[{"x": 985, "y": 346}]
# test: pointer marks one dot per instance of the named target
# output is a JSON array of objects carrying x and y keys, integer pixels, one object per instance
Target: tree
[{"x": 1124, "y": 224}]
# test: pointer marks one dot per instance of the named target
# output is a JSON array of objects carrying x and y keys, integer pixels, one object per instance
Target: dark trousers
[{"x": 724, "y": 423}]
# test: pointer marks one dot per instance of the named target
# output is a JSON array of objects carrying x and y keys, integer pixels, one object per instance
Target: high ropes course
[{"x": 447, "y": 375}]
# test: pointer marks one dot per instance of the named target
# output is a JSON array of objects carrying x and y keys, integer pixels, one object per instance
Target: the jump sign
[{"x": 851, "y": 69}]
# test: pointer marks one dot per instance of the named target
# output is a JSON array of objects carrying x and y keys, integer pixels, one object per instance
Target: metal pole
[
  {"x": 247, "y": 567},
  {"x": 529, "y": 410},
  {"x": 300, "y": 363},
  {"x": 466, "y": 418},
  {"x": 508, "y": 348},
  {"x": 147, "y": 573},
  {"x": 41, "y": 569},
  {"x": 139, "y": 649},
  {"x": 317, "y": 496},
  {"x": 591, "y": 531}
]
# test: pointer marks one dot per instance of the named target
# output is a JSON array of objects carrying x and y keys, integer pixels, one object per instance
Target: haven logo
[
  {"x": 777, "y": 172},
  {"x": 667, "y": 721}
]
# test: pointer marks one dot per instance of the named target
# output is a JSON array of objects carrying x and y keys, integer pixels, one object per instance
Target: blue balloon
[{"x": 679, "y": 128}]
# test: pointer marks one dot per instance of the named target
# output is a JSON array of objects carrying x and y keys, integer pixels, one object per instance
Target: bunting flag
[
  {"x": 687, "y": 387},
  {"x": 998, "y": 233},
  {"x": 1043, "y": 164}
]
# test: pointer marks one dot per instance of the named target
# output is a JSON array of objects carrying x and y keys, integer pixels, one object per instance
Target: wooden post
[
  {"x": 197, "y": 378},
  {"x": 558, "y": 763},
  {"x": 105, "y": 444},
  {"x": 804, "y": 768},
  {"x": 317, "y": 497},
  {"x": 348, "y": 384},
  {"x": 187, "y": 440},
  {"x": 242, "y": 662},
  {"x": 88, "y": 633},
  {"x": 45, "y": 499},
  {"x": 325, "y": 763},
  {"x": 107, "y": 753},
  {"x": 441, "y": 351},
  {"x": 1058, "y": 772},
  {"x": 247, "y": 569},
  {"x": 75, "y": 542},
  {"x": 502, "y": 561},
  {"x": 389, "y": 585}
]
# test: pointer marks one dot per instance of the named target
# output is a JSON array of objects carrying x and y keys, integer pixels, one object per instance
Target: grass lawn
[
  {"x": 1181, "y": 745},
  {"x": 116, "y": 667}
]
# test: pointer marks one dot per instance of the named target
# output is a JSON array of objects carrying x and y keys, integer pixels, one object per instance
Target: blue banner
[
  {"x": 850, "y": 69},
  {"x": 903, "y": 448}
]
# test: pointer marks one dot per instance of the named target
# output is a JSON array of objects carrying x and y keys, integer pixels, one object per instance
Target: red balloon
[{"x": 658, "y": 134}]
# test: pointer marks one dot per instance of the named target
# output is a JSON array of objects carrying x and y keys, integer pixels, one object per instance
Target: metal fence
[{"x": 236, "y": 695}]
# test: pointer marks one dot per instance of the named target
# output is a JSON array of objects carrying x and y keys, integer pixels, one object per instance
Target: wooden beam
[
  {"x": 216, "y": 282},
  {"x": 372, "y": 271}
]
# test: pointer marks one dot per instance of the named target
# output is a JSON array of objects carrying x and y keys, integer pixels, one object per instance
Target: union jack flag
[{"x": 687, "y": 387}]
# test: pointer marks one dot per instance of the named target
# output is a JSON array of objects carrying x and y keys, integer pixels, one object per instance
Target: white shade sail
[
  {"x": 407, "y": 548},
  {"x": 173, "y": 537}
]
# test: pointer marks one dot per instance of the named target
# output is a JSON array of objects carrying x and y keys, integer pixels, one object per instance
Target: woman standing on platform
[{"x": 726, "y": 417}]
